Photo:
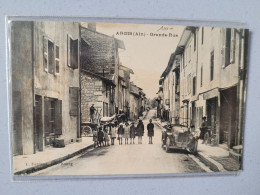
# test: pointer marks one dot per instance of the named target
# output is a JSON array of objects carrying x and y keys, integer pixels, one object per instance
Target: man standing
[
  {"x": 92, "y": 112},
  {"x": 150, "y": 131},
  {"x": 203, "y": 128}
]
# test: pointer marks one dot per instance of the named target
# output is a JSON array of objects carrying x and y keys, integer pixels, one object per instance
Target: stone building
[
  {"x": 45, "y": 84},
  {"x": 99, "y": 91},
  {"x": 99, "y": 72}
]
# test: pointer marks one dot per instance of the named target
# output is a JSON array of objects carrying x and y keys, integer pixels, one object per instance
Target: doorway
[
  {"x": 38, "y": 125},
  {"x": 212, "y": 114}
]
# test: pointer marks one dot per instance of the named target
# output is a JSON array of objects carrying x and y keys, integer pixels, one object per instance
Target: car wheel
[
  {"x": 167, "y": 145},
  {"x": 194, "y": 147},
  {"x": 162, "y": 144}
]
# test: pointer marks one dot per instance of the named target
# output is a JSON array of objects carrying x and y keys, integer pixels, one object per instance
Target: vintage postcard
[{"x": 126, "y": 99}]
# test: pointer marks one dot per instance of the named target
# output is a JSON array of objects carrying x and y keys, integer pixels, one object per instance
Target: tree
[{"x": 153, "y": 103}]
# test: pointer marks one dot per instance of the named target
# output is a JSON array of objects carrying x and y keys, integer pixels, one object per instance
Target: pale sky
[{"x": 146, "y": 55}]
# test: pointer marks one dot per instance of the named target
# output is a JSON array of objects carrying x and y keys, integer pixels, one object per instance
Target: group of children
[{"x": 127, "y": 130}]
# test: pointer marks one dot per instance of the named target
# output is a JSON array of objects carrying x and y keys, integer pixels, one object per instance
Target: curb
[
  {"x": 51, "y": 163},
  {"x": 214, "y": 165}
]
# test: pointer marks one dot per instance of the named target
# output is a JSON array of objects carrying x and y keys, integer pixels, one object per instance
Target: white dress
[
  {"x": 127, "y": 132},
  {"x": 113, "y": 132}
]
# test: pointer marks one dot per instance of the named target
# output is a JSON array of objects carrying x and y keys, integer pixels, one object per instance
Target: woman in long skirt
[
  {"x": 132, "y": 133},
  {"x": 127, "y": 132}
]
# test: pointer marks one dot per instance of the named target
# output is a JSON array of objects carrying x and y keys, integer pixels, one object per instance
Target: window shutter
[
  {"x": 232, "y": 46},
  {"x": 74, "y": 53},
  {"x": 45, "y": 54},
  {"x": 47, "y": 115},
  {"x": 58, "y": 117},
  {"x": 68, "y": 51},
  {"x": 51, "y": 57},
  {"x": 74, "y": 101},
  {"x": 57, "y": 59}
]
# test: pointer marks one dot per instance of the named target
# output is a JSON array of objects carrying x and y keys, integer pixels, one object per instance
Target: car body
[{"x": 180, "y": 137}]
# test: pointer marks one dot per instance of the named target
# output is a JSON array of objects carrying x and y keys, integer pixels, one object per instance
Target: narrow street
[{"x": 128, "y": 159}]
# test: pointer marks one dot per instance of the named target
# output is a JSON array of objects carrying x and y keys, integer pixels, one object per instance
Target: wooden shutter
[
  {"x": 74, "y": 101},
  {"x": 68, "y": 51},
  {"x": 45, "y": 54},
  {"x": 47, "y": 115},
  {"x": 57, "y": 59},
  {"x": 232, "y": 46},
  {"x": 74, "y": 53},
  {"x": 58, "y": 117},
  {"x": 51, "y": 57}
]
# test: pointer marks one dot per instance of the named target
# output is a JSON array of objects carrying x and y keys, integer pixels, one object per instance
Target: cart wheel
[
  {"x": 86, "y": 131},
  {"x": 83, "y": 132}
]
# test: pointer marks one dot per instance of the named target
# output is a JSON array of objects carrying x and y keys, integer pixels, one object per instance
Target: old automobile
[{"x": 180, "y": 137}]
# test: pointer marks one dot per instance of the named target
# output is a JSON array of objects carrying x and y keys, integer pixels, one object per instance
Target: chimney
[{"x": 92, "y": 26}]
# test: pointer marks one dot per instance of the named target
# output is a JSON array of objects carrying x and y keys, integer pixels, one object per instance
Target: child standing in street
[
  {"x": 127, "y": 132},
  {"x": 112, "y": 133},
  {"x": 106, "y": 137},
  {"x": 150, "y": 131},
  {"x": 120, "y": 133},
  {"x": 100, "y": 137},
  {"x": 95, "y": 138},
  {"x": 132, "y": 133}
]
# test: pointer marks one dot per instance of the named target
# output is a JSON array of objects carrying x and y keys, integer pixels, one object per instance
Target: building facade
[
  {"x": 212, "y": 76},
  {"x": 45, "y": 84},
  {"x": 100, "y": 63}
]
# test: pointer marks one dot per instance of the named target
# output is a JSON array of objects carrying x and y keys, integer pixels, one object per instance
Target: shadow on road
[
  {"x": 178, "y": 151},
  {"x": 96, "y": 152}
]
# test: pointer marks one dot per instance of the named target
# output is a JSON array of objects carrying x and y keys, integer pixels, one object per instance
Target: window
[
  {"x": 73, "y": 53},
  {"x": 211, "y": 65},
  {"x": 201, "y": 76},
  {"x": 105, "y": 109},
  {"x": 74, "y": 101},
  {"x": 202, "y": 35},
  {"x": 50, "y": 56},
  {"x": 194, "y": 86},
  {"x": 106, "y": 89},
  {"x": 45, "y": 54}
]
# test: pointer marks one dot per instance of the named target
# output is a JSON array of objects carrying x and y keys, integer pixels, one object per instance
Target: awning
[{"x": 211, "y": 94}]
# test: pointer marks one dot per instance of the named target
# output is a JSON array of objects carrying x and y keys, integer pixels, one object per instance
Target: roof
[
  {"x": 110, "y": 81},
  {"x": 184, "y": 38},
  {"x": 126, "y": 68},
  {"x": 169, "y": 66},
  {"x": 120, "y": 44}
]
